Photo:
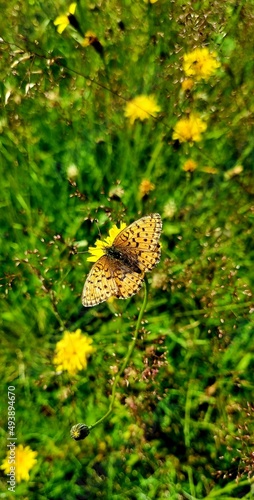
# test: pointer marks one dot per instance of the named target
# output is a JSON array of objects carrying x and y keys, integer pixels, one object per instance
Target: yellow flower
[
  {"x": 89, "y": 39},
  {"x": 72, "y": 352},
  {"x": 187, "y": 84},
  {"x": 145, "y": 187},
  {"x": 190, "y": 165},
  {"x": 151, "y": 1},
  {"x": 189, "y": 129},
  {"x": 200, "y": 63},
  {"x": 99, "y": 249},
  {"x": 22, "y": 459},
  {"x": 141, "y": 107},
  {"x": 63, "y": 21}
]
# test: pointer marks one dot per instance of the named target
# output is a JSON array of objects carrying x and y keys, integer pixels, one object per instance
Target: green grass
[{"x": 183, "y": 422}]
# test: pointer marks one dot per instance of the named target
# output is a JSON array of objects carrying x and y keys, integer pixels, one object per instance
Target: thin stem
[{"x": 126, "y": 359}]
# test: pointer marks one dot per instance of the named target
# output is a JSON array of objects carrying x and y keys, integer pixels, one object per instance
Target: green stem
[{"x": 126, "y": 359}]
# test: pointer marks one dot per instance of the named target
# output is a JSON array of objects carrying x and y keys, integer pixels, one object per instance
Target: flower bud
[{"x": 79, "y": 431}]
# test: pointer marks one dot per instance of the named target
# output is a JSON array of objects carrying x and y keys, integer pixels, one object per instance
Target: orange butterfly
[{"x": 120, "y": 271}]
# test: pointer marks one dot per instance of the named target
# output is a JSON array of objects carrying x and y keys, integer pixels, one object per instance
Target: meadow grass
[{"x": 72, "y": 165}]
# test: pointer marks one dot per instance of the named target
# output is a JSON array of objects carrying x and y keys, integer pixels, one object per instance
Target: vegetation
[{"x": 79, "y": 155}]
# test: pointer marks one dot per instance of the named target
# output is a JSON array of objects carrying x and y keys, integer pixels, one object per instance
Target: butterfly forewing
[
  {"x": 110, "y": 279},
  {"x": 142, "y": 234},
  {"x": 147, "y": 260},
  {"x": 140, "y": 240},
  {"x": 120, "y": 272},
  {"x": 128, "y": 282}
]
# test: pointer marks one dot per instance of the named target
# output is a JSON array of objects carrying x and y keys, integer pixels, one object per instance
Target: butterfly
[{"x": 120, "y": 271}]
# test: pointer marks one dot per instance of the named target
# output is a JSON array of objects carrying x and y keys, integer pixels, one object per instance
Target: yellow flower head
[
  {"x": 24, "y": 460},
  {"x": 63, "y": 21},
  {"x": 190, "y": 165},
  {"x": 187, "y": 84},
  {"x": 89, "y": 39},
  {"x": 145, "y": 187},
  {"x": 141, "y": 107},
  {"x": 189, "y": 129},
  {"x": 99, "y": 249},
  {"x": 72, "y": 352},
  {"x": 200, "y": 63}
]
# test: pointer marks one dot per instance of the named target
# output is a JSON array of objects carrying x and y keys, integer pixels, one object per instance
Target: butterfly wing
[
  {"x": 128, "y": 282},
  {"x": 110, "y": 278},
  {"x": 99, "y": 285},
  {"x": 140, "y": 241}
]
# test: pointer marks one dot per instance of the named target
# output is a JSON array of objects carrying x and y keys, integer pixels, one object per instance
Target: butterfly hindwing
[
  {"x": 99, "y": 285},
  {"x": 128, "y": 283},
  {"x": 110, "y": 278}
]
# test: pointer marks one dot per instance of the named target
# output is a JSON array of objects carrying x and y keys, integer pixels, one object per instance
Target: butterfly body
[{"x": 120, "y": 271}]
